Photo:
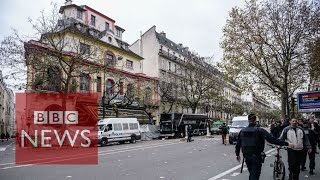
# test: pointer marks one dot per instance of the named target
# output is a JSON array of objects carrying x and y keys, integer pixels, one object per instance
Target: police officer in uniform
[{"x": 251, "y": 141}]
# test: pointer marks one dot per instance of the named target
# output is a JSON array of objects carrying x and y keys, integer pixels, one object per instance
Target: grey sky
[{"x": 194, "y": 23}]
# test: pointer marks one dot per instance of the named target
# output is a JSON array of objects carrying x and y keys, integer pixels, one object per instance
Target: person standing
[
  {"x": 189, "y": 133},
  {"x": 2, "y": 136},
  {"x": 7, "y": 136},
  {"x": 251, "y": 141},
  {"x": 224, "y": 132},
  {"x": 295, "y": 135},
  {"x": 313, "y": 139}
]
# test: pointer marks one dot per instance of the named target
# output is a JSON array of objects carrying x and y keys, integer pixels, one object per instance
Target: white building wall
[{"x": 148, "y": 47}]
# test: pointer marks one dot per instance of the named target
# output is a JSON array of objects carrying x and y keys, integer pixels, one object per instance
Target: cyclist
[
  {"x": 251, "y": 140},
  {"x": 294, "y": 134}
]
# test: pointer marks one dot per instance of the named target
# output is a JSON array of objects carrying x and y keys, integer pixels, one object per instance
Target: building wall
[
  {"x": 6, "y": 108},
  {"x": 148, "y": 47}
]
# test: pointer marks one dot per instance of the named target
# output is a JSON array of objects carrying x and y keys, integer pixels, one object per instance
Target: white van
[
  {"x": 238, "y": 123},
  {"x": 118, "y": 130}
]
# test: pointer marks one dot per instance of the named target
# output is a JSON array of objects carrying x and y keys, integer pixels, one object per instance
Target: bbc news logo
[
  {"x": 55, "y": 117},
  {"x": 56, "y": 128}
]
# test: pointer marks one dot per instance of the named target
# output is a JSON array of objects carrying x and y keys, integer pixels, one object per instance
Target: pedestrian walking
[
  {"x": 7, "y": 136},
  {"x": 313, "y": 139},
  {"x": 224, "y": 132},
  {"x": 251, "y": 141},
  {"x": 295, "y": 135},
  {"x": 2, "y": 136},
  {"x": 189, "y": 133}
]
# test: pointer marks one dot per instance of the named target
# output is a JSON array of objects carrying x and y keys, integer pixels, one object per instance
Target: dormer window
[
  {"x": 118, "y": 33},
  {"x": 79, "y": 14},
  {"x": 93, "y": 20},
  {"x": 107, "y": 26}
]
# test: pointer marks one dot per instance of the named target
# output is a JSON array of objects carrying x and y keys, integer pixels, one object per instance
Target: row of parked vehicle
[{"x": 173, "y": 125}]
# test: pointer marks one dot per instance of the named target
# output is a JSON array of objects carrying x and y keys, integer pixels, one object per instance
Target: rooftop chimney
[
  {"x": 68, "y": 2},
  {"x": 180, "y": 45},
  {"x": 163, "y": 33}
]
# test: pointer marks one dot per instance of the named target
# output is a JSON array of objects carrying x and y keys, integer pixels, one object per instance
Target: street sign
[{"x": 309, "y": 101}]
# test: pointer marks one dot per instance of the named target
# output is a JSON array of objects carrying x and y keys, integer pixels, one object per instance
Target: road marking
[
  {"x": 108, "y": 151},
  {"x": 233, "y": 169},
  {"x": 4, "y": 148},
  {"x": 64, "y": 159}
]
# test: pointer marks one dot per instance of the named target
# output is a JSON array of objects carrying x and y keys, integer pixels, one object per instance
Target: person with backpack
[
  {"x": 251, "y": 141},
  {"x": 224, "y": 132}
]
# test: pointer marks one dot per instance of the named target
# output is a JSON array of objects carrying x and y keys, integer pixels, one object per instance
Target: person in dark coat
[
  {"x": 314, "y": 140},
  {"x": 189, "y": 133},
  {"x": 7, "y": 136},
  {"x": 224, "y": 132},
  {"x": 3, "y": 136},
  {"x": 251, "y": 141}
]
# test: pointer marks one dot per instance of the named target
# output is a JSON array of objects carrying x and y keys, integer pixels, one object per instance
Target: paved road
[{"x": 202, "y": 159}]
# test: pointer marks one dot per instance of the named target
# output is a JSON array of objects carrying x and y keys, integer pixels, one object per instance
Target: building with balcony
[
  {"x": 85, "y": 52},
  {"x": 172, "y": 62}
]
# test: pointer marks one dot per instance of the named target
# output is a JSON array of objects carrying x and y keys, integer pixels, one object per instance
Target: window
[
  {"x": 117, "y": 127},
  {"x": 118, "y": 33},
  {"x": 84, "y": 49},
  {"x": 121, "y": 88},
  {"x": 110, "y": 59},
  {"x": 84, "y": 82},
  {"x": 133, "y": 126},
  {"x": 148, "y": 95},
  {"x": 169, "y": 66},
  {"x": 125, "y": 126},
  {"x": 109, "y": 87},
  {"x": 93, "y": 20},
  {"x": 175, "y": 68},
  {"x": 130, "y": 90},
  {"x": 107, "y": 26},
  {"x": 53, "y": 79},
  {"x": 79, "y": 14},
  {"x": 129, "y": 64},
  {"x": 98, "y": 84}
]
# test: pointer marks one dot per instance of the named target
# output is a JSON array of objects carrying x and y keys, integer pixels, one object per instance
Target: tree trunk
[{"x": 283, "y": 106}]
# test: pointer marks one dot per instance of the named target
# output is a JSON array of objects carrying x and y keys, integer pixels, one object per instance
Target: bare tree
[
  {"x": 56, "y": 57},
  {"x": 314, "y": 61},
  {"x": 200, "y": 82},
  {"x": 265, "y": 43}
]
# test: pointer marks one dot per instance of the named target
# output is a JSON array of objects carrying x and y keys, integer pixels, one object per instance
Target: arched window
[
  {"x": 110, "y": 87},
  {"x": 54, "y": 79},
  {"x": 130, "y": 90},
  {"x": 148, "y": 95},
  {"x": 84, "y": 82}
]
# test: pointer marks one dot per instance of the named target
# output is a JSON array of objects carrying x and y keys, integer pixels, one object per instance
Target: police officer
[{"x": 251, "y": 140}]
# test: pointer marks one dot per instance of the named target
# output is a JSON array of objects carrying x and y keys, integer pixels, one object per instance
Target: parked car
[{"x": 215, "y": 127}]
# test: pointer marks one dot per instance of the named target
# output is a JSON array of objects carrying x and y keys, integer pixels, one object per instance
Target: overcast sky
[{"x": 194, "y": 23}]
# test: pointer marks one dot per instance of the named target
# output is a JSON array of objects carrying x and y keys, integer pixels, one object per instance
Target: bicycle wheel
[{"x": 279, "y": 171}]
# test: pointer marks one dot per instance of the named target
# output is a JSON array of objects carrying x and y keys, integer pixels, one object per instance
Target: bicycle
[{"x": 279, "y": 169}]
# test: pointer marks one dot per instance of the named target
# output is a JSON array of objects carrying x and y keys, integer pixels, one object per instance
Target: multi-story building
[
  {"x": 6, "y": 108},
  {"x": 87, "y": 54},
  {"x": 255, "y": 103},
  {"x": 171, "y": 62}
]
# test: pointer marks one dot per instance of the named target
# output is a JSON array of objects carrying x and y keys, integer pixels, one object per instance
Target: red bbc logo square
[{"x": 56, "y": 128}]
